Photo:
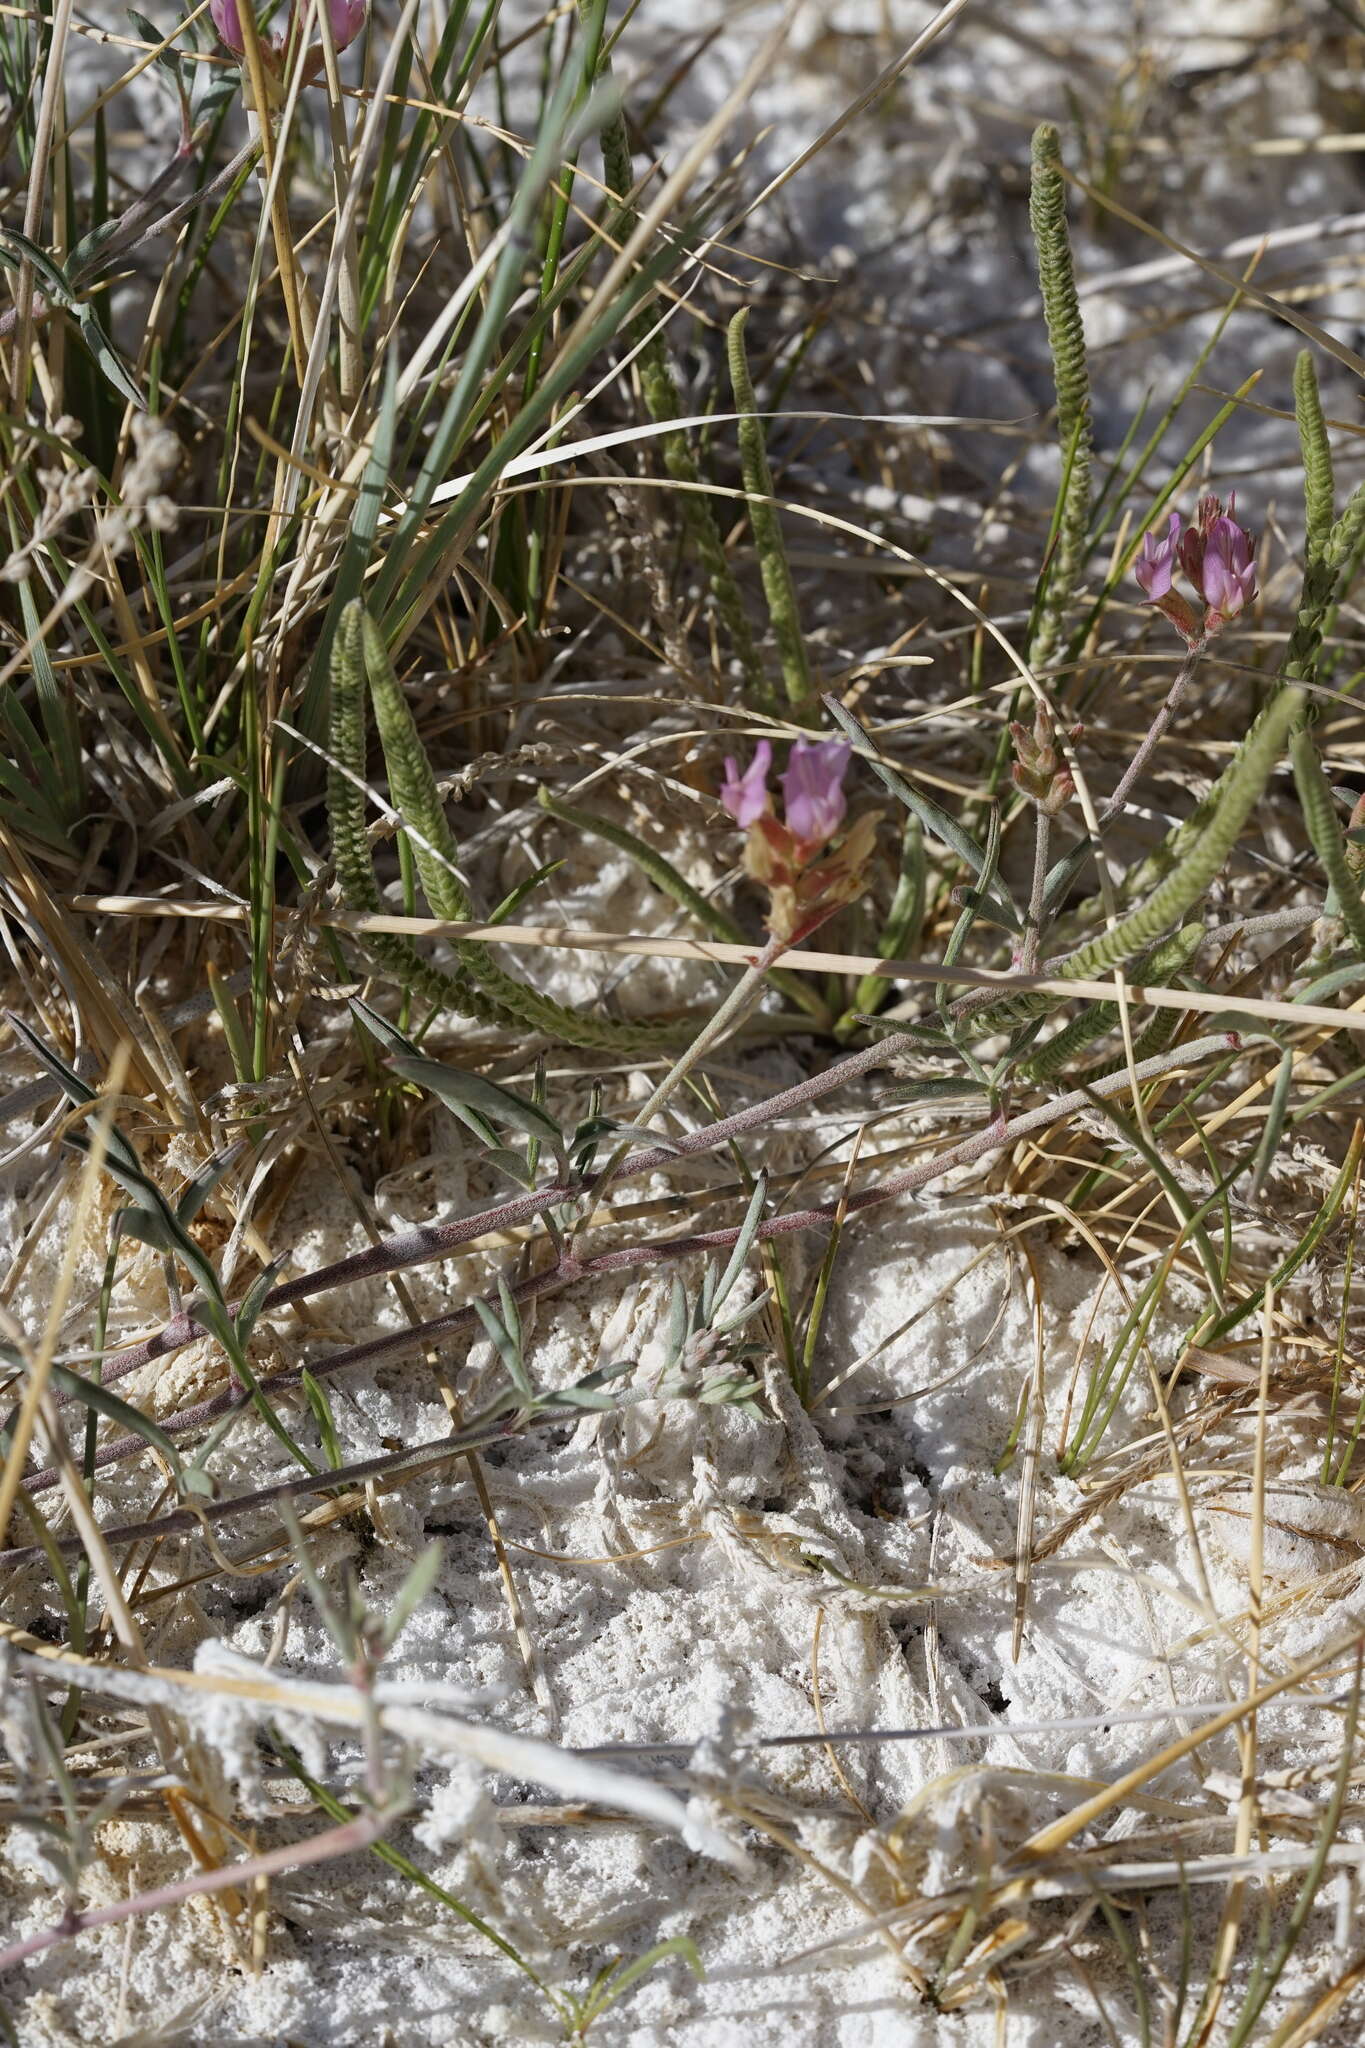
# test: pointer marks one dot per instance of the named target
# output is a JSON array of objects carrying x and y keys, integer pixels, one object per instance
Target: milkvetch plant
[
  {"x": 808, "y": 877},
  {"x": 1219, "y": 560},
  {"x": 336, "y": 506},
  {"x": 345, "y": 18}
]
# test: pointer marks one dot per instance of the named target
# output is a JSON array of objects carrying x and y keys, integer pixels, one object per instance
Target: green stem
[
  {"x": 778, "y": 587},
  {"x": 663, "y": 403}
]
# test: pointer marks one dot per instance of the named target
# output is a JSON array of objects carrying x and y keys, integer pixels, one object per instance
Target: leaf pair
[
  {"x": 59, "y": 290},
  {"x": 481, "y": 1105}
]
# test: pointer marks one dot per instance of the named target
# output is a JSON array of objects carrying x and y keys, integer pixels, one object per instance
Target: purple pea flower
[
  {"x": 1227, "y": 571},
  {"x": 1217, "y": 558},
  {"x": 347, "y": 18},
  {"x": 812, "y": 788},
  {"x": 745, "y": 796},
  {"x": 228, "y": 24},
  {"x": 1155, "y": 566}
]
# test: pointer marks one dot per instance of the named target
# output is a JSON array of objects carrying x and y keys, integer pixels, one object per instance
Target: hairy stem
[
  {"x": 1033, "y": 921},
  {"x": 357, "y": 1834},
  {"x": 1156, "y": 732}
]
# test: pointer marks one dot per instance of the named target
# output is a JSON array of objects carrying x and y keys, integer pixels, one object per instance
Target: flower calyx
[
  {"x": 1040, "y": 770},
  {"x": 1218, "y": 558},
  {"x": 807, "y": 875}
]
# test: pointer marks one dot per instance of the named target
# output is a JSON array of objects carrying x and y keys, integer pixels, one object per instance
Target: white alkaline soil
[{"x": 690, "y": 1575}]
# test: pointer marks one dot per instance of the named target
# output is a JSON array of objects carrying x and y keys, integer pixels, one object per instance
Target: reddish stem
[
  {"x": 414, "y": 1247},
  {"x": 460, "y": 1321},
  {"x": 341, "y": 1841}
]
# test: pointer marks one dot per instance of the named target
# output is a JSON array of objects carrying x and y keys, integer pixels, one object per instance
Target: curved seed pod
[
  {"x": 1066, "y": 339},
  {"x": 1236, "y": 790},
  {"x": 1159, "y": 968},
  {"x": 1324, "y": 829},
  {"x": 479, "y": 988}
]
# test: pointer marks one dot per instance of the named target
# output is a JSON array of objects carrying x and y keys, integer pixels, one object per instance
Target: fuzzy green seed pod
[
  {"x": 1071, "y": 376},
  {"x": 479, "y": 988}
]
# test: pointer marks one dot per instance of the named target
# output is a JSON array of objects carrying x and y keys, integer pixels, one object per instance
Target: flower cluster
[
  {"x": 1218, "y": 558},
  {"x": 1040, "y": 770},
  {"x": 792, "y": 857},
  {"x": 346, "y": 17}
]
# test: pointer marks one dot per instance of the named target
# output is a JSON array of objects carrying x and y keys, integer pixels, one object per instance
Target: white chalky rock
[{"x": 1309, "y": 1529}]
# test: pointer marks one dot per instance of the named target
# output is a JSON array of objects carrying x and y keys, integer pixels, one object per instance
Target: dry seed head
[{"x": 157, "y": 456}]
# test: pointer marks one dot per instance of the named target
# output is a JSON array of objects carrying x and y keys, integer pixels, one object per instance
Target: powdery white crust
[{"x": 770, "y": 1524}]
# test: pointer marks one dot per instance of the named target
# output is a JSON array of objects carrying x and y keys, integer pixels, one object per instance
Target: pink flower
[
  {"x": 812, "y": 788},
  {"x": 347, "y": 18},
  {"x": 807, "y": 876},
  {"x": 812, "y": 794},
  {"x": 744, "y": 796},
  {"x": 228, "y": 24},
  {"x": 1155, "y": 566},
  {"x": 1227, "y": 578},
  {"x": 1217, "y": 557}
]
